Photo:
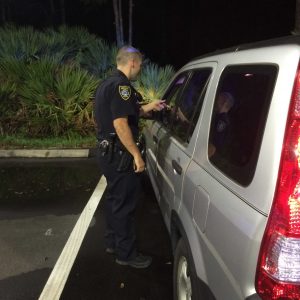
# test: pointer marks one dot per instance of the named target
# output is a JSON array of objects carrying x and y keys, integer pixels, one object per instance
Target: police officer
[{"x": 117, "y": 111}]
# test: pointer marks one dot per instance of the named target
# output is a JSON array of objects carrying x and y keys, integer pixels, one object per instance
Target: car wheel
[{"x": 184, "y": 274}]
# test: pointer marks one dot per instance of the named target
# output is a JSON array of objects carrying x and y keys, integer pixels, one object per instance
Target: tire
[{"x": 185, "y": 285}]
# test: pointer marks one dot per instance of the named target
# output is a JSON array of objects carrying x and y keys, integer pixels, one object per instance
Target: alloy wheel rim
[{"x": 184, "y": 286}]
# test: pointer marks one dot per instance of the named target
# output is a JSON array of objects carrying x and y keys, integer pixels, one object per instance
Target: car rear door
[{"x": 225, "y": 172}]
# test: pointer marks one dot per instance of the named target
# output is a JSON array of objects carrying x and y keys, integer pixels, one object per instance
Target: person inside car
[{"x": 223, "y": 105}]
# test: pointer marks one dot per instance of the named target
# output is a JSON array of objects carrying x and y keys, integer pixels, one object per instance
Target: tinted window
[
  {"x": 173, "y": 92},
  {"x": 240, "y": 112},
  {"x": 171, "y": 97},
  {"x": 187, "y": 110}
]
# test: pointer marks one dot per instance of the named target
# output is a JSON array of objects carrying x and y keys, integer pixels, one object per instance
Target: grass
[{"x": 21, "y": 142}]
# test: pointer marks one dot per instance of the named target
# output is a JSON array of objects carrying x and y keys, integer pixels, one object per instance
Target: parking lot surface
[{"x": 40, "y": 202}]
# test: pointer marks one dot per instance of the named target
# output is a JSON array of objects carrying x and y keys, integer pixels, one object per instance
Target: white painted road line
[{"x": 59, "y": 275}]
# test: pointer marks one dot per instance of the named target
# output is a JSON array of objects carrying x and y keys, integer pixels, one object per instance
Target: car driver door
[
  {"x": 156, "y": 129},
  {"x": 176, "y": 139}
]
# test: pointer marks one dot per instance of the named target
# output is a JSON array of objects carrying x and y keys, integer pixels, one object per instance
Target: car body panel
[{"x": 223, "y": 221}]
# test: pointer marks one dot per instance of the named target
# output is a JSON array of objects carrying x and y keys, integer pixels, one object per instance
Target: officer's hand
[
  {"x": 158, "y": 105},
  {"x": 138, "y": 164}
]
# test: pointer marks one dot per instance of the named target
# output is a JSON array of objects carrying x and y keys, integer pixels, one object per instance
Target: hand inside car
[{"x": 158, "y": 105}]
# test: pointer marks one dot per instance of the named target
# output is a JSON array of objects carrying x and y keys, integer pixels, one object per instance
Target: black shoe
[
  {"x": 110, "y": 250},
  {"x": 140, "y": 262}
]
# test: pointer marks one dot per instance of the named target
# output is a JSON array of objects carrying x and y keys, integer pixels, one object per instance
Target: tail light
[{"x": 278, "y": 269}]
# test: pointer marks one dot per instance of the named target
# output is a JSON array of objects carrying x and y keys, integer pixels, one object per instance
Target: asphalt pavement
[
  {"x": 95, "y": 275},
  {"x": 40, "y": 202}
]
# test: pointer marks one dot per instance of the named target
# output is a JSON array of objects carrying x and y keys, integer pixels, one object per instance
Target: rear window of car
[{"x": 239, "y": 116}]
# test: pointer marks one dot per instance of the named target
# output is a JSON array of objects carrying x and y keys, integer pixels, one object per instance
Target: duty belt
[{"x": 109, "y": 147}]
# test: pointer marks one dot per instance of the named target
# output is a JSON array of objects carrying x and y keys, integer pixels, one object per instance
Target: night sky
[{"x": 173, "y": 32}]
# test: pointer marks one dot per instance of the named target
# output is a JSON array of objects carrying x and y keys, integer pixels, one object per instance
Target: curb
[{"x": 47, "y": 153}]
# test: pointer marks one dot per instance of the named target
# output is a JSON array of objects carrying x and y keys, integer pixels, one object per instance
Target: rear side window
[{"x": 239, "y": 117}]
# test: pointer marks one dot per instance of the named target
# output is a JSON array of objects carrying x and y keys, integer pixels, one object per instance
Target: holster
[
  {"x": 113, "y": 148},
  {"x": 126, "y": 162},
  {"x": 103, "y": 147},
  {"x": 107, "y": 146}
]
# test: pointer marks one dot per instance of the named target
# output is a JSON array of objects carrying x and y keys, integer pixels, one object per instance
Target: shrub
[
  {"x": 48, "y": 80},
  {"x": 75, "y": 90},
  {"x": 154, "y": 80}
]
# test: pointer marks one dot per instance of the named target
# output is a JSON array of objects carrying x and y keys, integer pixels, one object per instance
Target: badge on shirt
[{"x": 124, "y": 91}]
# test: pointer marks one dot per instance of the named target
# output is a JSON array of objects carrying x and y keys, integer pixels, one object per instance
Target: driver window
[
  {"x": 175, "y": 89},
  {"x": 172, "y": 95},
  {"x": 188, "y": 108}
]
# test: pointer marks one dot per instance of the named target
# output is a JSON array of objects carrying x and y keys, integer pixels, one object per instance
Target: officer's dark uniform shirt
[{"x": 116, "y": 98}]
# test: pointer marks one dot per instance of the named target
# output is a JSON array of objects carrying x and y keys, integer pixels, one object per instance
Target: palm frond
[
  {"x": 13, "y": 70},
  {"x": 48, "y": 79},
  {"x": 75, "y": 89},
  {"x": 76, "y": 40},
  {"x": 154, "y": 80},
  {"x": 21, "y": 43},
  {"x": 98, "y": 58}
]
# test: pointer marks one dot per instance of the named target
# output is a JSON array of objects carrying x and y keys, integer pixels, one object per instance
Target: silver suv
[{"x": 224, "y": 162}]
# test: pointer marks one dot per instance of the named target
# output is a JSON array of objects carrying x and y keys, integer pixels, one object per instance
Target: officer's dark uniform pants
[{"x": 122, "y": 194}]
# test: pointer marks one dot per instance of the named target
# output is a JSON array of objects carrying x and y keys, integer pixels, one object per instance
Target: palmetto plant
[
  {"x": 9, "y": 106},
  {"x": 37, "y": 97},
  {"x": 154, "y": 80},
  {"x": 20, "y": 43},
  {"x": 57, "y": 100},
  {"x": 74, "y": 89},
  {"x": 48, "y": 80},
  {"x": 12, "y": 70},
  {"x": 98, "y": 58},
  {"x": 40, "y": 83},
  {"x": 27, "y": 44},
  {"x": 73, "y": 41},
  {"x": 12, "y": 74}
]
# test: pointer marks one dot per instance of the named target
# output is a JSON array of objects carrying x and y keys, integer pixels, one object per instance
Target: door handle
[
  {"x": 155, "y": 139},
  {"x": 176, "y": 167}
]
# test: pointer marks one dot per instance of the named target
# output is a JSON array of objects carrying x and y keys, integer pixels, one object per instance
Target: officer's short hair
[{"x": 126, "y": 53}]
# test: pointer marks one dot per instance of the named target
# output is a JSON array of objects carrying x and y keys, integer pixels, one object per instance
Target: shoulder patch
[{"x": 125, "y": 92}]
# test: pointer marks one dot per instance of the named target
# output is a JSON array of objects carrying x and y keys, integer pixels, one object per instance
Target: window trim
[{"x": 254, "y": 157}]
